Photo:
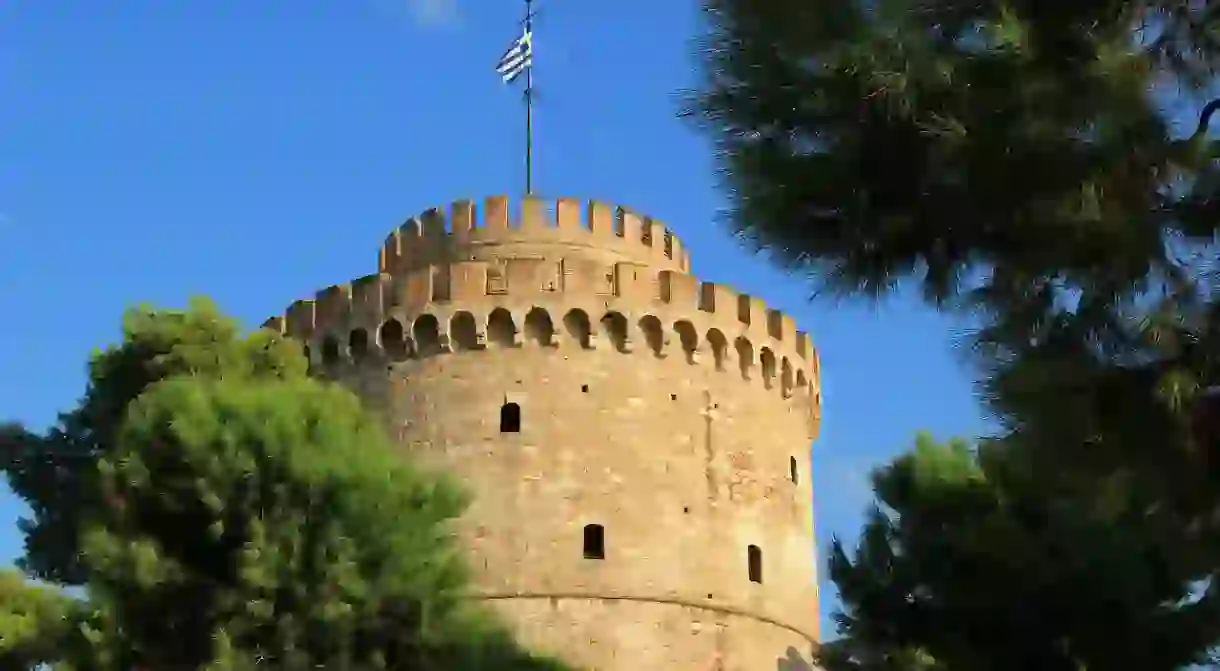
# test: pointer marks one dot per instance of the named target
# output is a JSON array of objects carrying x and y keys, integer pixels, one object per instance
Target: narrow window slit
[
  {"x": 510, "y": 418},
  {"x": 595, "y": 541}
]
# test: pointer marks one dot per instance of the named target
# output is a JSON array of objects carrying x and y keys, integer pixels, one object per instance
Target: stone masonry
[{"x": 637, "y": 441}]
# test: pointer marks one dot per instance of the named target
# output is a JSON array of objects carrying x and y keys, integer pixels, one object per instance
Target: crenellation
[
  {"x": 409, "y": 234},
  {"x": 602, "y": 219},
  {"x": 575, "y": 282},
  {"x": 632, "y": 226},
  {"x": 675, "y": 251},
  {"x": 457, "y": 232},
  {"x": 368, "y": 295},
  {"x": 534, "y": 216},
  {"x": 780, "y": 326},
  {"x": 767, "y": 360},
  {"x": 331, "y": 305},
  {"x": 495, "y": 214},
  {"x": 679, "y": 290},
  {"x": 707, "y": 297},
  {"x": 434, "y": 243},
  {"x": 387, "y": 256},
  {"x": 752, "y": 311},
  {"x": 656, "y": 239},
  {"x": 433, "y": 226},
  {"x": 300, "y": 318},
  {"x": 463, "y": 220},
  {"x": 568, "y": 216}
]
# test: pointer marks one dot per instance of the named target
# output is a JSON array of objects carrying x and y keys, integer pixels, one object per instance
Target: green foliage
[
  {"x": 227, "y": 512},
  {"x": 276, "y": 518},
  {"x": 35, "y": 620},
  {"x": 1012, "y": 160},
  {"x": 1016, "y": 162},
  {"x": 53, "y": 471},
  {"x": 1011, "y": 146},
  {"x": 970, "y": 562}
]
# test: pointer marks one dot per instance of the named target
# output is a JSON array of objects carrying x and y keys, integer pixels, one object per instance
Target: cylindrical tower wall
[{"x": 640, "y": 462}]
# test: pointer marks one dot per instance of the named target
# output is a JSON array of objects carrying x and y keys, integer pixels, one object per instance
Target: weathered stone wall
[{"x": 677, "y": 417}]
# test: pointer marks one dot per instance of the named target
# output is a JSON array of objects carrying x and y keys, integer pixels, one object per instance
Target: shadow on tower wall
[{"x": 793, "y": 660}]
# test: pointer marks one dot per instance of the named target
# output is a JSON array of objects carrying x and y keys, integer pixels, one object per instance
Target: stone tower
[{"x": 637, "y": 441}]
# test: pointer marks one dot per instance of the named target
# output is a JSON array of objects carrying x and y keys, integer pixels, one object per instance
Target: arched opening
[
  {"x": 538, "y": 327},
  {"x": 501, "y": 331},
  {"x": 800, "y": 379},
  {"x": 576, "y": 323},
  {"x": 689, "y": 339},
  {"x": 393, "y": 340},
  {"x": 745, "y": 355},
  {"x": 654, "y": 337},
  {"x": 754, "y": 563},
  {"x": 793, "y": 475},
  {"x": 330, "y": 350},
  {"x": 510, "y": 418},
  {"x": 785, "y": 377},
  {"x": 767, "y": 358},
  {"x": 358, "y": 344},
  {"x": 427, "y": 333},
  {"x": 595, "y": 541},
  {"x": 614, "y": 325},
  {"x": 463, "y": 331},
  {"x": 719, "y": 345}
]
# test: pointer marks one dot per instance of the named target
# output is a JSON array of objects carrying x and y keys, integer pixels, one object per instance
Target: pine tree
[
  {"x": 970, "y": 561},
  {"x": 1017, "y": 163},
  {"x": 1014, "y": 161}
]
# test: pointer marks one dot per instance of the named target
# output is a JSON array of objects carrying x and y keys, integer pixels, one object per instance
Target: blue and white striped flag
[{"x": 518, "y": 58}]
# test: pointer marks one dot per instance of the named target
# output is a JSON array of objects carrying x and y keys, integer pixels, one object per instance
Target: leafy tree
[
  {"x": 54, "y": 472},
  {"x": 969, "y": 563},
  {"x": 35, "y": 620},
  {"x": 242, "y": 514}
]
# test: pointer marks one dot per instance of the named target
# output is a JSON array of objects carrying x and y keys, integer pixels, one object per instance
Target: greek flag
[{"x": 518, "y": 58}]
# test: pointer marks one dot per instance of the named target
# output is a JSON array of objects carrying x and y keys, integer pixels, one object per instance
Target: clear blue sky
[{"x": 255, "y": 151}]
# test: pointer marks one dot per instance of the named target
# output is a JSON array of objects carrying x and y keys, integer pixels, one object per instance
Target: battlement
[
  {"x": 631, "y": 287},
  {"x": 439, "y": 309},
  {"x": 543, "y": 228}
]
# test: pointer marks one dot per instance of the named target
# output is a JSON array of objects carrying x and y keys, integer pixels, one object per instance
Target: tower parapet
[
  {"x": 591, "y": 229},
  {"x": 581, "y": 381}
]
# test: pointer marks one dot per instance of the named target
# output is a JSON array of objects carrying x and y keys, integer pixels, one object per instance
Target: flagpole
[{"x": 529, "y": 105}]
